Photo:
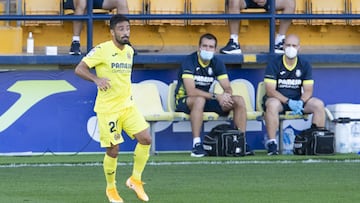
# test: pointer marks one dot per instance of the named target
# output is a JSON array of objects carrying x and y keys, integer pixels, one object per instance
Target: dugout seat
[
  {"x": 327, "y": 7},
  {"x": 301, "y": 8},
  {"x": 40, "y": 7},
  {"x": 167, "y": 7},
  {"x": 95, "y": 11},
  {"x": 245, "y": 23},
  {"x": 137, "y": 7},
  {"x": 354, "y": 8},
  {"x": 207, "y": 116},
  {"x": 241, "y": 88},
  {"x": 147, "y": 98},
  {"x": 212, "y": 7},
  {"x": 282, "y": 117}
]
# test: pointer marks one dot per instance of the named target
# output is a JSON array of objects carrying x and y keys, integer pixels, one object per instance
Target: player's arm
[
  {"x": 225, "y": 84},
  {"x": 307, "y": 85},
  {"x": 225, "y": 99},
  {"x": 270, "y": 87},
  {"x": 192, "y": 91},
  {"x": 83, "y": 71},
  {"x": 308, "y": 89}
]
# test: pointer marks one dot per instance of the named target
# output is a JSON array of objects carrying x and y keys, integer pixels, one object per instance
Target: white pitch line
[{"x": 308, "y": 161}]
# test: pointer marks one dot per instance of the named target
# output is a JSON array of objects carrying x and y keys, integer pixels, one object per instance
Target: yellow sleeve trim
[
  {"x": 308, "y": 82},
  {"x": 224, "y": 76},
  {"x": 187, "y": 76},
  {"x": 270, "y": 80}
]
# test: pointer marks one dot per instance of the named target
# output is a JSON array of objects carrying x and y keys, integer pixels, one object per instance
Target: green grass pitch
[{"x": 179, "y": 178}]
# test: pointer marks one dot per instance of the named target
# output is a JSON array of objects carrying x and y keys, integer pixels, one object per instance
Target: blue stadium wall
[{"x": 52, "y": 111}]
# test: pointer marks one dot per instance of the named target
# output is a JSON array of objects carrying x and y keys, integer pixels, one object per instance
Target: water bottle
[
  {"x": 288, "y": 140},
  {"x": 355, "y": 137},
  {"x": 30, "y": 44}
]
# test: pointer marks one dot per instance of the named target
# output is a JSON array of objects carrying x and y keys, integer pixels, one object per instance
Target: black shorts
[
  {"x": 251, "y": 4},
  {"x": 69, "y": 4},
  {"x": 210, "y": 106},
  {"x": 285, "y": 106}
]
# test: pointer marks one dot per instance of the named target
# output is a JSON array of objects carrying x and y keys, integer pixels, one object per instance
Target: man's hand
[
  {"x": 103, "y": 84},
  {"x": 296, "y": 106},
  {"x": 225, "y": 100}
]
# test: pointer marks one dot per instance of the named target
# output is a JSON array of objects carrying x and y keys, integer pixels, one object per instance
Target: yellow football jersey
[{"x": 116, "y": 65}]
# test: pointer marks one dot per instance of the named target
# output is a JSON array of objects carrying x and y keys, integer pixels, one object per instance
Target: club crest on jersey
[
  {"x": 117, "y": 136},
  {"x": 298, "y": 73},
  {"x": 128, "y": 55},
  {"x": 210, "y": 71}
]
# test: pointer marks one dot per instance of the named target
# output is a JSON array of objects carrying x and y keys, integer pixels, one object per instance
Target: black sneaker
[
  {"x": 198, "y": 151},
  {"x": 231, "y": 48},
  {"x": 75, "y": 48},
  {"x": 279, "y": 47},
  {"x": 272, "y": 148}
]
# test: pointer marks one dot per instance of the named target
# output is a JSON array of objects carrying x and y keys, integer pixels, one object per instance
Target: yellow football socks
[
  {"x": 110, "y": 165},
  {"x": 141, "y": 155}
]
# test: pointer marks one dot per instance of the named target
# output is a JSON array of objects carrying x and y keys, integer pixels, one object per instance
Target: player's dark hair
[
  {"x": 115, "y": 19},
  {"x": 208, "y": 36}
]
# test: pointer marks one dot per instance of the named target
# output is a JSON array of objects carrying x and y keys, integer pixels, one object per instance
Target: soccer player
[
  {"x": 196, "y": 75},
  {"x": 289, "y": 86},
  {"x": 114, "y": 106}
]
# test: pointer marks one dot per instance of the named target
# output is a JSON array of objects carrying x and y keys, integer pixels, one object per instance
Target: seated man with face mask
[
  {"x": 192, "y": 95},
  {"x": 289, "y": 87}
]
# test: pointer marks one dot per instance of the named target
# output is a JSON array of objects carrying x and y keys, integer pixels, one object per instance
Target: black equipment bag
[
  {"x": 314, "y": 141},
  {"x": 224, "y": 140}
]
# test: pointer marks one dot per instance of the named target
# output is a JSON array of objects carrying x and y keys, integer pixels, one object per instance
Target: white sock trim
[
  {"x": 196, "y": 140},
  {"x": 235, "y": 38},
  {"x": 76, "y": 38},
  {"x": 271, "y": 140}
]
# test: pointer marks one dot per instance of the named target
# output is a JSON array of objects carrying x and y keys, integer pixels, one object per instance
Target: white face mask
[
  {"x": 291, "y": 52},
  {"x": 206, "y": 55}
]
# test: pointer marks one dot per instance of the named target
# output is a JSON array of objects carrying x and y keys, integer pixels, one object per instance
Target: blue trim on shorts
[{"x": 210, "y": 106}]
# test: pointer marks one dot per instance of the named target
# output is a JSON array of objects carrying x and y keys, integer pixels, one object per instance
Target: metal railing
[{"x": 272, "y": 16}]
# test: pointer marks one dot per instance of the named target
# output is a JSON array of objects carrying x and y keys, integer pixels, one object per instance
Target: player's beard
[{"x": 122, "y": 40}]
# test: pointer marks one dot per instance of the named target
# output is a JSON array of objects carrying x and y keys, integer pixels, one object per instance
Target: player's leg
[
  {"x": 240, "y": 118},
  {"x": 80, "y": 9},
  {"x": 287, "y": 7},
  {"x": 273, "y": 107},
  {"x": 233, "y": 47},
  {"x": 135, "y": 126},
  {"x": 316, "y": 107},
  {"x": 196, "y": 106},
  {"x": 239, "y": 109},
  {"x": 110, "y": 165},
  {"x": 110, "y": 137}
]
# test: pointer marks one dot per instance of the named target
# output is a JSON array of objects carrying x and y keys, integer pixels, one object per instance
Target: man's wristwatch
[{"x": 213, "y": 96}]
